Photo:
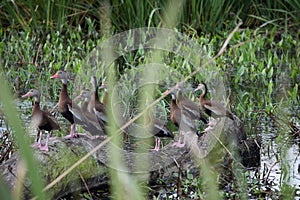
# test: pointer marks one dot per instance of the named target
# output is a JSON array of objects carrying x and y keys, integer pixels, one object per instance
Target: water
[
  {"x": 280, "y": 158},
  {"x": 271, "y": 162}
]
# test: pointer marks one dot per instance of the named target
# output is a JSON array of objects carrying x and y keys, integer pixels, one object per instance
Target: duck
[
  {"x": 212, "y": 108},
  {"x": 43, "y": 120},
  {"x": 65, "y": 102},
  {"x": 95, "y": 105}
]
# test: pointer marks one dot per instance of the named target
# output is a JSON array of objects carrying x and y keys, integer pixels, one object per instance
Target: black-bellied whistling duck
[
  {"x": 212, "y": 108},
  {"x": 95, "y": 105},
  {"x": 41, "y": 119},
  {"x": 65, "y": 102},
  {"x": 160, "y": 130}
]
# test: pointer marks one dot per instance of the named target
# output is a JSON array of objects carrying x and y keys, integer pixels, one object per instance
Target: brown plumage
[
  {"x": 212, "y": 108},
  {"x": 95, "y": 105},
  {"x": 41, "y": 119},
  {"x": 190, "y": 107},
  {"x": 91, "y": 120}
]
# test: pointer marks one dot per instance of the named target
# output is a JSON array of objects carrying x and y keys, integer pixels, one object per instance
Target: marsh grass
[{"x": 204, "y": 16}]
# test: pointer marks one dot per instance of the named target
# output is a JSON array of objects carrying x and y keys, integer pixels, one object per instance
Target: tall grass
[{"x": 204, "y": 16}]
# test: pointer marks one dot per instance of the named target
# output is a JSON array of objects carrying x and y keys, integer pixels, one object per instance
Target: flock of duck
[{"x": 91, "y": 115}]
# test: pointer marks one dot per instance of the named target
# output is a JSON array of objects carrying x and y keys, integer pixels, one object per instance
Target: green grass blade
[{"x": 10, "y": 111}]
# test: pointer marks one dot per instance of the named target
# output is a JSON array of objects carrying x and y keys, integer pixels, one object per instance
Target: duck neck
[
  {"x": 64, "y": 90},
  {"x": 173, "y": 102},
  {"x": 64, "y": 81},
  {"x": 104, "y": 101},
  {"x": 96, "y": 93},
  {"x": 179, "y": 95},
  {"x": 64, "y": 87},
  {"x": 37, "y": 99},
  {"x": 36, "y": 106},
  {"x": 84, "y": 105},
  {"x": 204, "y": 92}
]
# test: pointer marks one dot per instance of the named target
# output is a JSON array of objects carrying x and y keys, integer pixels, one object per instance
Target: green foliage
[
  {"x": 287, "y": 192},
  {"x": 204, "y": 16},
  {"x": 261, "y": 73}
]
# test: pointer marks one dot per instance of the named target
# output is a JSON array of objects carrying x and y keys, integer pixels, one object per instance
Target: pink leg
[
  {"x": 39, "y": 143},
  {"x": 208, "y": 128},
  {"x": 45, "y": 148},
  {"x": 179, "y": 143},
  {"x": 72, "y": 132},
  {"x": 157, "y": 144}
]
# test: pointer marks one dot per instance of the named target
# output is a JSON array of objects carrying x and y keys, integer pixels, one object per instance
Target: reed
[{"x": 204, "y": 16}]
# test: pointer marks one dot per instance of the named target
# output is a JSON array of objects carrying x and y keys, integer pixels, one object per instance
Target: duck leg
[
  {"x": 72, "y": 132},
  {"x": 157, "y": 144},
  {"x": 46, "y": 148},
  {"x": 180, "y": 143},
  {"x": 39, "y": 143},
  {"x": 75, "y": 135}
]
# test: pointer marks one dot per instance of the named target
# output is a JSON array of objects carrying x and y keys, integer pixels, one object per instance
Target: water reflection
[{"x": 272, "y": 158}]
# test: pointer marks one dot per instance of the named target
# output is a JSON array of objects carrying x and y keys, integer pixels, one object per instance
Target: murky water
[
  {"x": 280, "y": 157},
  {"x": 271, "y": 162}
]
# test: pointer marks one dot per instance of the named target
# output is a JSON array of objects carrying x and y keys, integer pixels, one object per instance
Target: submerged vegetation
[{"x": 260, "y": 69}]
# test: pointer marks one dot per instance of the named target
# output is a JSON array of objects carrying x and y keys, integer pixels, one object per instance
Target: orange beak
[
  {"x": 54, "y": 76},
  {"x": 26, "y": 95}
]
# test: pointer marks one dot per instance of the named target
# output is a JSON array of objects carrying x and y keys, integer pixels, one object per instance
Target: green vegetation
[
  {"x": 260, "y": 69},
  {"x": 205, "y": 16}
]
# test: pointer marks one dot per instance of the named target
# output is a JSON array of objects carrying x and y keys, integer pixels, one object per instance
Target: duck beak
[
  {"x": 25, "y": 95},
  {"x": 54, "y": 76}
]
